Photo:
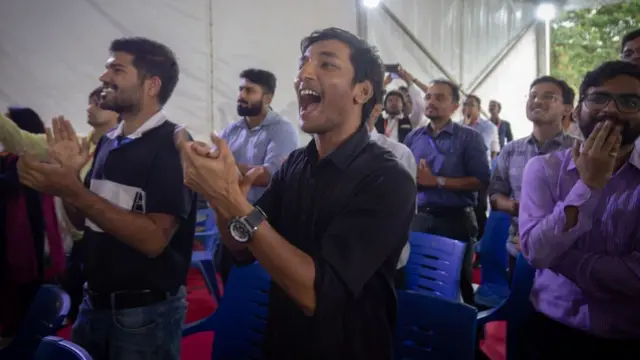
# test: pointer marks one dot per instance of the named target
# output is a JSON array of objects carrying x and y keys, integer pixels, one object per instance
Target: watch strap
[{"x": 255, "y": 217}]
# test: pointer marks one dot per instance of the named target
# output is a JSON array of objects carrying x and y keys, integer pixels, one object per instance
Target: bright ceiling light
[
  {"x": 371, "y": 3},
  {"x": 546, "y": 11}
]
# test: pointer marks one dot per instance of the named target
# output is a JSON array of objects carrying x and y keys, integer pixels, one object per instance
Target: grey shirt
[
  {"x": 267, "y": 144},
  {"x": 507, "y": 175}
]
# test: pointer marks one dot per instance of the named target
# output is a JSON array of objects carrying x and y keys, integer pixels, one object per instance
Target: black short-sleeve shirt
[
  {"x": 142, "y": 175},
  {"x": 351, "y": 212}
]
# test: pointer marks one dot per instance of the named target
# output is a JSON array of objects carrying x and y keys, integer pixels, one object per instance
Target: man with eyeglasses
[
  {"x": 579, "y": 227},
  {"x": 550, "y": 100},
  {"x": 630, "y": 47}
]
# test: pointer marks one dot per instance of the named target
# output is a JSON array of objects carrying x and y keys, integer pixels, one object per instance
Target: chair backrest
[
  {"x": 493, "y": 249},
  {"x": 434, "y": 265},
  {"x": 434, "y": 328},
  {"x": 45, "y": 316},
  {"x": 55, "y": 348},
  {"x": 518, "y": 304},
  {"x": 241, "y": 318},
  {"x": 206, "y": 229}
]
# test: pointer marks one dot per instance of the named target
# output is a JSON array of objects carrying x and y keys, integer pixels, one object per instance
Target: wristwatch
[
  {"x": 242, "y": 228},
  {"x": 440, "y": 181}
]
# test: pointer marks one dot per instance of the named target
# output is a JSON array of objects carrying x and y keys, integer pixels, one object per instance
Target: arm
[
  {"x": 417, "y": 111},
  {"x": 16, "y": 140},
  {"x": 372, "y": 226},
  {"x": 284, "y": 141},
  {"x": 602, "y": 276},
  {"x": 509, "y": 134},
  {"x": 499, "y": 186},
  {"x": 167, "y": 202},
  {"x": 477, "y": 166},
  {"x": 550, "y": 226}
]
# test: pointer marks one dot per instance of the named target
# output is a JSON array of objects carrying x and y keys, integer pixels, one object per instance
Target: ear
[
  {"x": 576, "y": 112},
  {"x": 362, "y": 92},
  {"x": 267, "y": 98},
  {"x": 153, "y": 86}
]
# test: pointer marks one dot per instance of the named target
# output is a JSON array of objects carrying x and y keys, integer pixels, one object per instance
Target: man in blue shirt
[{"x": 452, "y": 167}]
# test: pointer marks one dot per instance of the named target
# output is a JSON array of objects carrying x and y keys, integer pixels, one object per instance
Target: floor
[{"x": 198, "y": 346}]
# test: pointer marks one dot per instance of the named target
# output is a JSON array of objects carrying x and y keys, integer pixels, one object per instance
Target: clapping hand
[
  {"x": 61, "y": 177},
  {"x": 425, "y": 176},
  {"x": 597, "y": 158},
  {"x": 212, "y": 171}
]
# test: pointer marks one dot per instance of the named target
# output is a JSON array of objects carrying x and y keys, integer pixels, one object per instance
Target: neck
[
  {"x": 133, "y": 121},
  {"x": 99, "y": 131},
  {"x": 544, "y": 132},
  {"x": 329, "y": 141},
  {"x": 371, "y": 126},
  {"x": 253, "y": 121},
  {"x": 438, "y": 124},
  {"x": 495, "y": 119}
]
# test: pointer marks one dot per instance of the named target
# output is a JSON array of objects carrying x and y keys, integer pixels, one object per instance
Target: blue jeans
[{"x": 144, "y": 333}]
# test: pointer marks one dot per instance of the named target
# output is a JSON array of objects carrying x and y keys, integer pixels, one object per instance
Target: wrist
[{"x": 236, "y": 205}]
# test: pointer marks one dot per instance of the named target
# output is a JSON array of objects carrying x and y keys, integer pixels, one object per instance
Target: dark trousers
[
  {"x": 458, "y": 224},
  {"x": 73, "y": 281},
  {"x": 546, "y": 339},
  {"x": 481, "y": 212},
  {"x": 401, "y": 279}
]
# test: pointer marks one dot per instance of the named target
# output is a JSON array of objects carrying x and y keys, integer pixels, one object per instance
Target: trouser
[
  {"x": 458, "y": 224},
  {"x": 481, "y": 212},
  {"x": 152, "y": 332},
  {"x": 542, "y": 338},
  {"x": 15, "y": 300},
  {"x": 401, "y": 279},
  {"x": 74, "y": 280}
]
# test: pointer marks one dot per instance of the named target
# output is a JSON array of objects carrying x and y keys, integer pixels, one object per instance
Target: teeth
[{"x": 308, "y": 92}]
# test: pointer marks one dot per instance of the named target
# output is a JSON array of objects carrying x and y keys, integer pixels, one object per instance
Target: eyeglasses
[
  {"x": 544, "y": 97},
  {"x": 625, "y": 103}
]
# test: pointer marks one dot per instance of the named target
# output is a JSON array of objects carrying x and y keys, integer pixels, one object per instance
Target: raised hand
[
  {"x": 65, "y": 148},
  {"x": 597, "y": 158}
]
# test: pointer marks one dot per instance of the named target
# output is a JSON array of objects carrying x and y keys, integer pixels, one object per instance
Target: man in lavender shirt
[{"x": 579, "y": 227}]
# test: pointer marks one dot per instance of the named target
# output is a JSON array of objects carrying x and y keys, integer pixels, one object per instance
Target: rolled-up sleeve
[
  {"x": 542, "y": 219},
  {"x": 499, "y": 183},
  {"x": 418, "y": 105},
  {"x": 372, "y": 227},
  {"x": 476, "y": 161},
  {"x": 284, "y": 139}
]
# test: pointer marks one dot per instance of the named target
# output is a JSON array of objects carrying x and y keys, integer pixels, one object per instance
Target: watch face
[{"x": 239, "y": 231}]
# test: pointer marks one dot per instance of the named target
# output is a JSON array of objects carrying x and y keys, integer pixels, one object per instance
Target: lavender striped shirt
[{"x": 589, "y": 276}]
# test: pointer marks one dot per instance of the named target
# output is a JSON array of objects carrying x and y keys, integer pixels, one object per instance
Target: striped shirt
[
  {"x": 589, "y": 276},
  {"x": 507, "y": 175}
]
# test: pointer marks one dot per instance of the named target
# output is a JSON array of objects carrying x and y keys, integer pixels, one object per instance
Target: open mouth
[
  {"x": 308, "y": 100},
  {"x": 106, "y": 91}
]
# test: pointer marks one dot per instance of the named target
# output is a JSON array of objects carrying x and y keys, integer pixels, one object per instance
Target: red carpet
[{"x": 198, "y": 346}]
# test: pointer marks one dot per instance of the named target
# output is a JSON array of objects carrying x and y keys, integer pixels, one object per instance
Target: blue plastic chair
[
  {"x": 516, "y": 309},
  {"x": 45, "y": 316},
  {"x": 434, "y": 328},
  {"x": 494, "y": 287},
  {"x": 204, "y": 260},
  {"x": 55, "y": 348},
  {"x": 434, "y": 265},
  {"x": 240, "y": 321}
]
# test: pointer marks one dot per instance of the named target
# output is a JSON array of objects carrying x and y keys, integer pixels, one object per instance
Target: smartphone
[{"x": 391, "y": 68}]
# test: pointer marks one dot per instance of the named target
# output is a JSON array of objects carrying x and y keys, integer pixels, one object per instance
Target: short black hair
[
  {"x": 95, "y": 94},
  {"x": 151, "y": 58},
  {"x": 455, "y": 88},
  {"x": 607, "y": 71},
  {"x": 367, "y": 65},
  {"x": 630, "y": 36},
  {"x": 568, "y": 95},
  {"x": 264, "y": 78},
  {"x": 475, "y": 98},
  {"x": 26, "y": 119},
  {"x": 497, "y": 103}
]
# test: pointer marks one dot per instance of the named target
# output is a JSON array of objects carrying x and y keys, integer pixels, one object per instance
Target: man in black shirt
[
  {"x": 139, "y": 217},
  {"x": 330, "y": 228}
]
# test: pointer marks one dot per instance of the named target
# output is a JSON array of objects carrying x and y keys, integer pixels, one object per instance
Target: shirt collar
[
  {"x": 447, "y": 128},
  {"x": 557, "y": 138},
  {"x": 269, "y": 119},
  {"x": 156, "y": 120},
  {"x": 345, "y": 152}
]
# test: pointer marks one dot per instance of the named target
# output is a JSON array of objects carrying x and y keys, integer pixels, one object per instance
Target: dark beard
[
  {"x": 249, "y": 111},
  {"x": 629, "y": 135},
  {"x": 118, "y": 108},
  {"x": 393, "y": 112}
]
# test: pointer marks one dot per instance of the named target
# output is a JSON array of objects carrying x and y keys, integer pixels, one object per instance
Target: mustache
[
  {"x": 242, "y": 102},
  {"x": 106, "y": 86}
]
